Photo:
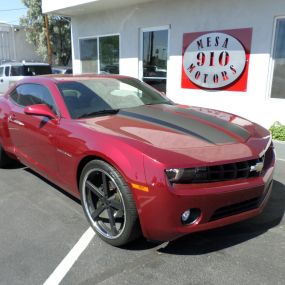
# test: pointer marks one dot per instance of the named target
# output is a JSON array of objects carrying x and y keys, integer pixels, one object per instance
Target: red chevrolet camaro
[{"x": 139, "y": 162}]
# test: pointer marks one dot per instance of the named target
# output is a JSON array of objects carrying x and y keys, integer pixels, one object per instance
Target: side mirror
[{"x": 40, "y": 110}]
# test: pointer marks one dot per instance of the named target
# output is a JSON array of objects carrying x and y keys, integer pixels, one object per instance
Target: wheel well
[{"x": 82, "y": 163}]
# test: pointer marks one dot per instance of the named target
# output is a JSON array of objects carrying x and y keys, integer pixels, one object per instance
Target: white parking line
[
  {"x": 65, "y": 265},
  {"x": 280, "y": 159}
]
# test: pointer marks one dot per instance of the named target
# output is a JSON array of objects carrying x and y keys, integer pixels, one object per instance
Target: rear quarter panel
[{"x": 5, "y": 140}]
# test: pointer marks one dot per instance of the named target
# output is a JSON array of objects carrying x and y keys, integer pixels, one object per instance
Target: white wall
[
  {"x": 14, "y": 45},
  {"x": 194, "y": 16},
  {"x": 52, "y": 5},
  {"x": 23, "y": 49}
]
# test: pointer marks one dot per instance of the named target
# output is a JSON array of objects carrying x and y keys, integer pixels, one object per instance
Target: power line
[{"x": 13, "y": 9}]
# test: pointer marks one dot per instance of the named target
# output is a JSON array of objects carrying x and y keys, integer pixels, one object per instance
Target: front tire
[{"x": 108, "y": 203}]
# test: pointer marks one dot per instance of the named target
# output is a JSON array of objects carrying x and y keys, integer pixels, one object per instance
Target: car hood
[
  {"x": 176, "y": 126},
  {"x": 175, "y": 133}
]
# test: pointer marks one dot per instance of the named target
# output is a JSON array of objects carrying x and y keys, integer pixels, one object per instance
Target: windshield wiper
[{"x": 98, "y": 113}]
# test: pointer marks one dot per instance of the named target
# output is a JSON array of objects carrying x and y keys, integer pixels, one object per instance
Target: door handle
[{"x": 12, "y": 119}]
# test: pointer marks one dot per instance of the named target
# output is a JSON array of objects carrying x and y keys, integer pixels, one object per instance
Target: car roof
[
  {"x": 84, "y": 76},
  {"x": 24, "y": 63},
  {"x": 59, "y": 78}
]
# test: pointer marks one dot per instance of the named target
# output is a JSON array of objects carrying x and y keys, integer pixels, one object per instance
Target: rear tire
[{"x": 108, "y": 203}]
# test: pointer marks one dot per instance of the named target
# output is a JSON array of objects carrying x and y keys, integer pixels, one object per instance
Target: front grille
[
  {"x": 235, "y": 209},
  {"x": 230, "y": 171},
  {"x": 233, "y": 170}
]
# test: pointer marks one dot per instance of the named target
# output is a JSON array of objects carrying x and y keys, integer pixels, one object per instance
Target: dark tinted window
[
  {"x": 31, "y": 94},
  {"x": 7, "y": 70},
  {"x": 14, "y": 96},
  {"x": 30, "y": 70},
  {"x": 16, "y": 70},
  {"x": 1, "y": 71}
]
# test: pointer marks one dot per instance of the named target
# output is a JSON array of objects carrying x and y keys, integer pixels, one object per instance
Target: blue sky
[{"x": 11, "y": 17}]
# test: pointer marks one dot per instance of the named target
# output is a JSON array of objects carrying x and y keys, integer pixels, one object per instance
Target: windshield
[{"x": 87, "y": 97}]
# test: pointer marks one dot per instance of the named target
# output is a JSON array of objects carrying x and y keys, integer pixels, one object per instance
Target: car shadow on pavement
[
  {"x": 15, "y": 164},
  {"x": 52, "y": 185},
  {"x": 218, "y": 239}
]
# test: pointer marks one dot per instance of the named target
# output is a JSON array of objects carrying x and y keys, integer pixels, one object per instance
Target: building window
[
  {"x": 109, "y": 54},
  {"x": 100, "y": 55},
  {"x": 278, "y": 82},
  {"x": 89, "y": 55},
  {"x": 155, "y": 55}
]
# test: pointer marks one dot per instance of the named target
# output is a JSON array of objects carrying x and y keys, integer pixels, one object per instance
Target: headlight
[
  {"x": 187, "y": 175},
  {"x": 174, "y": 174}
]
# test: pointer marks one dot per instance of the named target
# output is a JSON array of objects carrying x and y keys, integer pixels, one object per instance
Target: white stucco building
[
  {"x": 14, "y": 46},
  {"x": 223, "y": 54}
]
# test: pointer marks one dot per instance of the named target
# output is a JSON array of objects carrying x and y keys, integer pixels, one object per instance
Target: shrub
[{"x": 278, "y": 131}]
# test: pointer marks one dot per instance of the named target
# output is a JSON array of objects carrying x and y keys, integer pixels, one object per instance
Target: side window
[
  {"x": 1, "y": 71},
  {"x": 16, "y": 70},
  {"x": 14, "y": 96},
  {"x": 48, "y": 100},
  {"x": 31, "y": 94},
  {"x": 7, "y": 70}
]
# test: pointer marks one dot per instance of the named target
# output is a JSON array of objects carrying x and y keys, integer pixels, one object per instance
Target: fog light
[
  {"x": 190, "y": 216},
  {"x": 185, "y": 216}
]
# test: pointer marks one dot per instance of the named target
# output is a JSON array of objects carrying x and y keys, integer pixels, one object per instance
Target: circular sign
[{"x": 214, "y": 60}]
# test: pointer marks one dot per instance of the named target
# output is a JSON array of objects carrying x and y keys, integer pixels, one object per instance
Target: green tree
[{"x": 58, "y": 33}]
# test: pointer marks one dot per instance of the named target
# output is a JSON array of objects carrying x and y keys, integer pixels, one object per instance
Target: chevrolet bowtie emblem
[{"x": 257, "y": 167}]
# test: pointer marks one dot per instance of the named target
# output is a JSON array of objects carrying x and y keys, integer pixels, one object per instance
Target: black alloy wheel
[{"x": 108, "y": 203}]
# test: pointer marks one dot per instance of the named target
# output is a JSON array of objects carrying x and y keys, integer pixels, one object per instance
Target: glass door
[
  {"x": 154, "y": 58},
  {"x": 278, "y": 57}
]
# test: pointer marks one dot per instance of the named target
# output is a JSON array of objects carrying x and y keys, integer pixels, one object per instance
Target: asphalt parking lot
[{"x": 40, "y": 226}]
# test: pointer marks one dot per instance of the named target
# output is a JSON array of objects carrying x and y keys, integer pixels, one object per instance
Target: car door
[{"x": 34, "y": 137}]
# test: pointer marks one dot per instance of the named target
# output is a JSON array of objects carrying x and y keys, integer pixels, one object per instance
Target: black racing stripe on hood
[
  {"x": 163, "y": 123},
  {"x": 228, "y": 126},
  {"x": 179, "y": 123}
]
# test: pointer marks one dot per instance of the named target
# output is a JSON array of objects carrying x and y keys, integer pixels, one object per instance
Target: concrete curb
[
  {"x": 280, "y": 149},
  {"x": 278, "y": 142}
]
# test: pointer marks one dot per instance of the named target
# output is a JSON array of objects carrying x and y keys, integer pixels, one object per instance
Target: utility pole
[{"x": 49, "y": 48}]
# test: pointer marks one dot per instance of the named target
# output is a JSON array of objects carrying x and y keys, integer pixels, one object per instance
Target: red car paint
[{"x": 140, "y": 151}]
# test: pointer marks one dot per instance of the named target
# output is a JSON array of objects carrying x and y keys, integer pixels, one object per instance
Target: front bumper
[{"x": 221, "y": 203}]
